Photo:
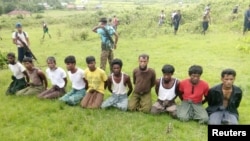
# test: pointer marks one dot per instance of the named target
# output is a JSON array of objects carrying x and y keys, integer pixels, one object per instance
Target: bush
[
  {"x": 84, "y": 34},
  {"x": 38, "y": 16},
  {"x": 3, "y": 60},
  {"x": 20, "y": 16}
]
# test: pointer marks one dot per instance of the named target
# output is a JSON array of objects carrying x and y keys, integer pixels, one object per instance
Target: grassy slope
[{"x": 28, "y": 118}]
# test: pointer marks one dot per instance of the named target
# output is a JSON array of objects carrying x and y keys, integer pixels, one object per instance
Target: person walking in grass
[
  {"x": 20, "y": 77},
  {"x": 45, "y": 30},
  {"x": 246, "y": 20},
  {"x": 162, "y": 18},
  {"x": 107, "y": 44},
  {"x": 97, "y": 80},
  {"x": 206, "y": 21},
  {"x": 58, "y": 79},
  {"x": 176, "y": 21},
  {"x": 144, "y": 80},
  {"x": 166, "y": 89},
  {"x": 224, "y": 100},
  {"x": 192, "y": 92},
  {"x": 79, "y": 83},
  {"x": 38, "y": 81},
  {"x": 117, "y": 83}
]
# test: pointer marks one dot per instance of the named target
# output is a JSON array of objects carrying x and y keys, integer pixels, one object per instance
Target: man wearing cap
[
  {"x": 107, "y": 44},
  {"x": 19, "y": 36}
]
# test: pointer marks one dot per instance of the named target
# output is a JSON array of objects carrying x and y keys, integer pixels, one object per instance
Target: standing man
[
  {"x": 118, "y": 82},
  {"x": 166, "y": 89},
  {"x": 161, "y": 18},
  {"x": 97, "y": 82},
  {"x": 192, "y": 93},
  {"x": 247, "y": 20},
  {"x": 144, "y": 80},
  {"x": 206, "y": 20},
  {"x": 176, "y": 21},
  {"x": 19, "y": 74},
  {"x": 107, "y": 44},
  {"x": 79, "y": 83},
  {"x": 224, "y": 100},
  {"x": 45, "y": 30},
  {"x": 58, "y": 79},
  {"x": 18, "y": 37}
]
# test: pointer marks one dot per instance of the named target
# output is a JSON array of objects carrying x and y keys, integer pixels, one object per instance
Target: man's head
[
  {"x": 11, "y": 58},
  {"x": 70, "y": 62},
  {"x": 228, "y": 77},
  {"x": 19, "y": 27},
  {"x": 28, "y": 63},
  {"x": 116, "y": 66},
  {"x": 167, "y": 71},
  {"x": 143, "y": 61},
  {"x": 195, "y": 71},
  {"x": 103, "y": 21},
  {"x": 51, "y": 62},
  {"x": 90, "y": 60}
]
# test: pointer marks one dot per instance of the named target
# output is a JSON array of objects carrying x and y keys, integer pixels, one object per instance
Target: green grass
[{"x": 32, "y": 119}]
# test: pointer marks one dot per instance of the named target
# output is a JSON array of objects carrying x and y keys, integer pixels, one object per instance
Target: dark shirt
[
  {"x": 143, "y": 80},
  {"x": 215, "y": 100}
]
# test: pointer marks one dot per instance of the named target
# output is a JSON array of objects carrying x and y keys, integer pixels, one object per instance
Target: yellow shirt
[{"x": 96, "y": 79}]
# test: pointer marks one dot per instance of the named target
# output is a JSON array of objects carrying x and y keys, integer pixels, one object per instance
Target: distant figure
[
  {"x": 235, "y": 12},
  {"x": 246, "y": 20},
  {"x": 45, "y": 30},
  {"x": 172, "y": 17},
  {"x": 176, "y": 21},
  {"x": 224, "y": 100},
  {"x": 207, "y": 7},
  {"x": 161, "y": 18},
  {"x": 206, "y": 20},
  {"x": 115, "y": 22}
]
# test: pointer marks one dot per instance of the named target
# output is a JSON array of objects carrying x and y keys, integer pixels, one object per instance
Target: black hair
[
  {"x": 90, "y": 59},
  {"x": 228, "y": 72},
  {"x": 11, "y": 54},
  {"x": 27, "y": 59},
  {"x": 51, "y": 58},
  {"x": 70, "y": 59},
  {"x": 144, "y": 56},
  {"x": 117, "y": 62},
  {"x": 168, "y": 69},
  {"x": 103, "y": 20},
  {"x": 195, "y": 69}
]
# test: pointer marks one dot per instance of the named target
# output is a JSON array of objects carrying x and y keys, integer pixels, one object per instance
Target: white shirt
[
  {"x": 167, "y": 94},
  {"x": 56, "y": 76},
  {"x": 21, "y": 36},
  {"x": 17, "y": 70},
  {"x": 119, "y": 88},
  {"x": 77, "y": 79}
]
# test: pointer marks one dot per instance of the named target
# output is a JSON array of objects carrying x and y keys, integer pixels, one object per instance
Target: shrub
[
  {"x": 84, "y": 34},
  {"x": 3, "y": 60}
]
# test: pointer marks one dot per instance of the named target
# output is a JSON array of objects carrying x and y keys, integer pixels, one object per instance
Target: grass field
[{"x": 31, "y": 119}]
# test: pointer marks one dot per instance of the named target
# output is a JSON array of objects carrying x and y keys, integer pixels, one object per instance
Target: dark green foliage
[{"x": 3, "y": 60}]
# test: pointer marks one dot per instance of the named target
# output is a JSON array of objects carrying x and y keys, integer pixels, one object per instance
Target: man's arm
[
  {"x": 157, "y": 84},
  {"x": 96, "y": 27},
  {"x": 26, "y": 76},
  {"x": 65, "y": 81},
  {"x": 43, "y": 78},
  {"x": 28, "y": 41},
  {"x": 86, "y": 83},
  {"x": 153, "y": 79},
  {"x": 116, "y": 40},
  {"x": 109, "y": 84},
  {"x": 129, "y": 83}
]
